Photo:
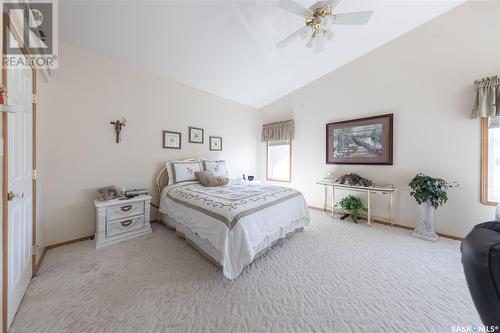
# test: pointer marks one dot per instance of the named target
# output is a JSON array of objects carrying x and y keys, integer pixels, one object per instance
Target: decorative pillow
[
  {"x": 207, "y": 178},
  {"x": 184, "y": 171},
  {"x": 203, "y": 176},
  {"x": 218, "y": 168},
  {"x": 170, "y": 168},
  {"x": 217, "y": 181}
]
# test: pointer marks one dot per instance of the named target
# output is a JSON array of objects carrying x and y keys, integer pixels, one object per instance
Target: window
[
  {"x": 490, "y": 160},
  {"x": 279, "y": 159}
]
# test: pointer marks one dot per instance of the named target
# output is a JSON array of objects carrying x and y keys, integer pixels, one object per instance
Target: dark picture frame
[
  {"x": 167, "y": 144},
  {"x": 367, "y": 141},
  {"x": 196, "y": 135},
  {"x": 213, "y": 143}
]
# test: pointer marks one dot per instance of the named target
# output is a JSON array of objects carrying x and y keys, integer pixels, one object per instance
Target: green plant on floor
[
  {"x": 434, "y": 190},
  {"x": 352, "y": 206}
]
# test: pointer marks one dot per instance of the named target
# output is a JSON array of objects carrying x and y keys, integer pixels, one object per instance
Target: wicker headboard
[{"x": 161, "y": 179}]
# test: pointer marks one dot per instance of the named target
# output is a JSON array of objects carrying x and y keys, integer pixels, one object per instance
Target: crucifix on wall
[{"x": 118, "y": 128}]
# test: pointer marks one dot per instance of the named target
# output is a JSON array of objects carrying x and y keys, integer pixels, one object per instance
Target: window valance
[
  {"x": 487, "y": 101},
  {"x": 278, "y": 131}
]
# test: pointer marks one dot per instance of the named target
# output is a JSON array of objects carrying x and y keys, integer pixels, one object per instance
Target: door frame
[{"x": 7, "y": 27}]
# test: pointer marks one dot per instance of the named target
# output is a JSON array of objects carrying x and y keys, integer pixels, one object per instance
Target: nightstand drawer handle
[
  {"x": 127, "y": 223},
  {"x": 126, "y": 208}
]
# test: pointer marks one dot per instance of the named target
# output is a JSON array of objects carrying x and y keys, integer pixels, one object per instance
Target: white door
[{"x": 20, "y": 203}]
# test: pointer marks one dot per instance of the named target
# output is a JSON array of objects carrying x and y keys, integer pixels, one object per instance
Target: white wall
[
  {"x": 425, "y": 78},
  {"x": 78, "y": 153}
]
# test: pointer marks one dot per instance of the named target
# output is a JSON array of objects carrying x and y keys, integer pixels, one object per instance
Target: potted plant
[
  {"x": 430, "y": 193},
  {"x": 351, "y": 206}
]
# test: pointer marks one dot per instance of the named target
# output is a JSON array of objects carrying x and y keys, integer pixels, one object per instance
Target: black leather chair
[{"x": 481, "y": 260}]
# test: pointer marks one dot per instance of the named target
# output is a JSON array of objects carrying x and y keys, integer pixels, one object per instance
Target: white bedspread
[{"x": 239, "y": 219}]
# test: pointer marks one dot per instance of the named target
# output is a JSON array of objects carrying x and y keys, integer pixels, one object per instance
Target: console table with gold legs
[{"x": 372, "y": 190}]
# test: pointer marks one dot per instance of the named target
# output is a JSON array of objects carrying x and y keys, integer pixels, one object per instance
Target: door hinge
[
  {"x": 34, "y": 249},
  {"x": 33, "y": 174},
  {"x": 34, "y": 98}
]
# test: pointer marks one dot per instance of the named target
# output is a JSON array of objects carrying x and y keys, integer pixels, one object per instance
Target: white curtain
[
  {"x": 487, "y": 101},
  {"x": 278, "y": 131}
]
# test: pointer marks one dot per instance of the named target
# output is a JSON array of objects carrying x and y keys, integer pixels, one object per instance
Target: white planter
[
  {"x": 425, "y": 223},
  {"x": 497, "y": 212}
]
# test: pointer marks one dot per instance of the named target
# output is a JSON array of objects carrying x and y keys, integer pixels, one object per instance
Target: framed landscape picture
[
  {"x": 196, "y": 135},
  {"x": 171, "y": 140},
  {"x": 215, "y": 143},
  {"x": 360, "y": 141}
]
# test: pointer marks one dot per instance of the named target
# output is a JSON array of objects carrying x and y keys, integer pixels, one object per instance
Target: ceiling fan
[{"x": 319, "y": 19}]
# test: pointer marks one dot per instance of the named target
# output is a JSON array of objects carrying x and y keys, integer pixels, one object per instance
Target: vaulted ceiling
[{"x": 228, "y": 47}]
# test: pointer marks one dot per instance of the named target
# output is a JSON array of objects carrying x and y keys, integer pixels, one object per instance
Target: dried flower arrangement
[{"x": 355, "y": 180}]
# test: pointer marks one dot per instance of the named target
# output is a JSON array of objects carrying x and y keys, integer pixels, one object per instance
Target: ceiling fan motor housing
[{"x": 320, "y": 19}]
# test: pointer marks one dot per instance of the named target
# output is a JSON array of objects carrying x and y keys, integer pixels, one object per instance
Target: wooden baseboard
[
  {"x": 39, "y": 263},
  {"x": 397, "y": 225},
  {"x": 450, "y": 236},
  {"x": 316, "y": 208},
  {"x": 53, "y": 246}
]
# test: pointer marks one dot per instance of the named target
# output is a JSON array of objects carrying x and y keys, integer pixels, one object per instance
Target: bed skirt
[{"x": 204, "y": 246}]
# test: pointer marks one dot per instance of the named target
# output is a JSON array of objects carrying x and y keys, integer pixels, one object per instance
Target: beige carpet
[{"x": 334, "y": 277}]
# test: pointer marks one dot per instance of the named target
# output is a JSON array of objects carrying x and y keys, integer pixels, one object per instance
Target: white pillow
[
  {"x": 169, "y": 168},
  {"x": 184, "y": 171},
  {"x": 218, "y": 168}
]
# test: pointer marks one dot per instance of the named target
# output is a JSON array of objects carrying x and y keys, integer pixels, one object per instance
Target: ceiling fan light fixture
[
  {"x": 326, "y": 22},
  {"x": 306, "y": 32},
  {"x": 319, "y": 45},
  {"x": 328, "y": 34},
  {"x": 310, "y": 42}
]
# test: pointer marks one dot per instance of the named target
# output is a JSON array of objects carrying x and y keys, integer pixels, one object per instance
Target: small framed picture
[
  {"x": 171, "y": 140},
  {"x": 215, "y": 143},
  {"x": 196, "y": 135}
]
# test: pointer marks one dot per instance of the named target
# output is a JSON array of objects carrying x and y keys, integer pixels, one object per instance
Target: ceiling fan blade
[
  {"x": 310, "y": 42},
  {"x": 319, "y": 45},
  {"x": 333, "y": 3},
  {"x": 353, "y": 18},
  {"x": 294, "y": 7},
  {"x": 290, "y": 38}
]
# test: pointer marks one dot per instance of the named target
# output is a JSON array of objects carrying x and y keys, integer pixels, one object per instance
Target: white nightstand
[{"x": 119, "y": 220}]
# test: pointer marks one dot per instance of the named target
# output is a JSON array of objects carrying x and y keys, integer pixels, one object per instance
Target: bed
[{"x": 233, "y": 224}]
